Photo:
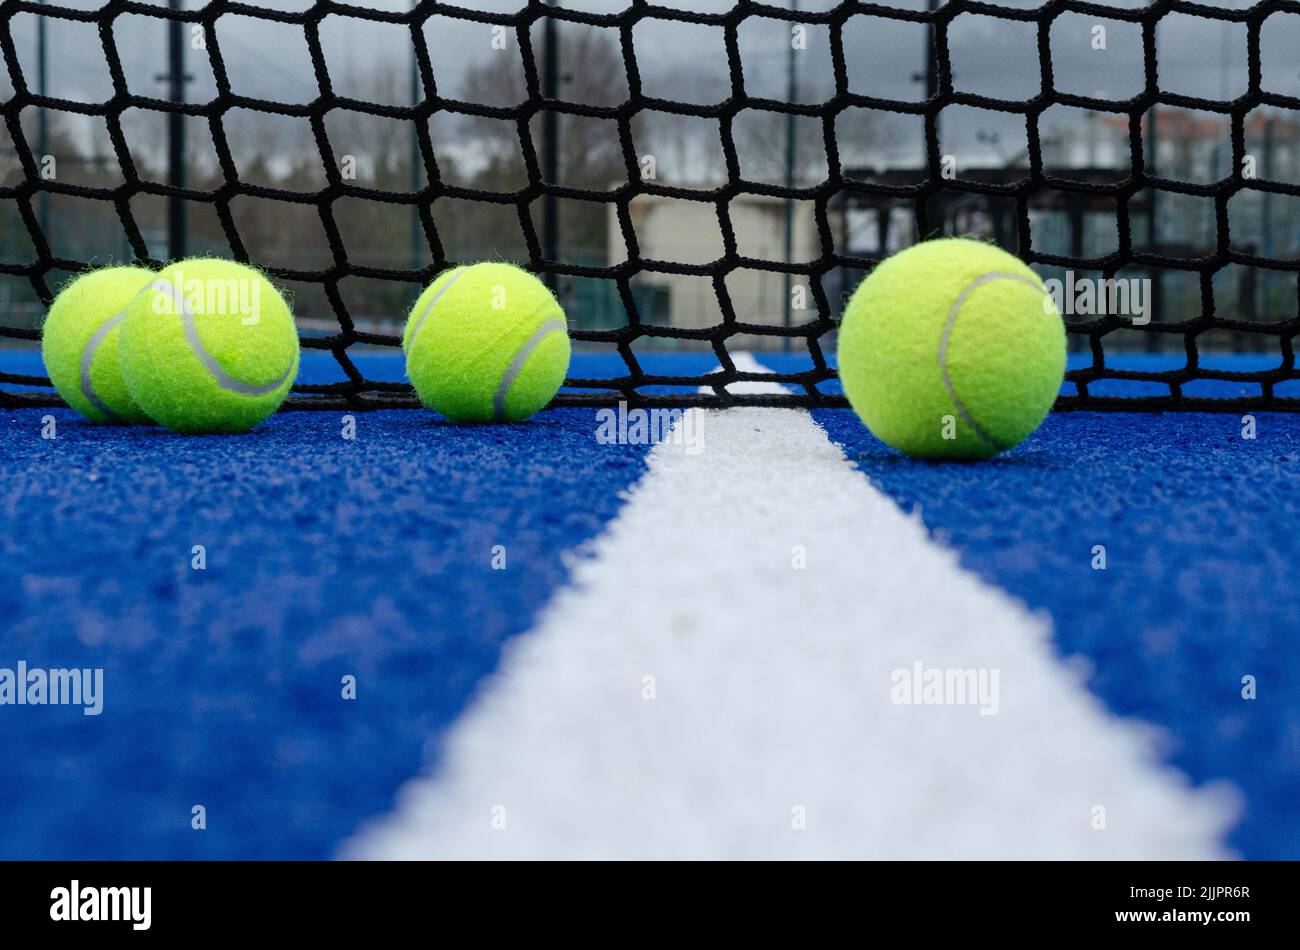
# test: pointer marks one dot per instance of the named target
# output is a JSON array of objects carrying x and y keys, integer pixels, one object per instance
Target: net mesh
[{"x": 1015, "y": 202}]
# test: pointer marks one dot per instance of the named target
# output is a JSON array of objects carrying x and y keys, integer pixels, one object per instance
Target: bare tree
[
  {"x": 591, "y": 74},
  {"x": 590, "y": 154}
]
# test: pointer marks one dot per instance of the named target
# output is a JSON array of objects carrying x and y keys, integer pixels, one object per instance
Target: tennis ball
[
  {"x": 209, "y": 346},
  {"x": 79, "y": 343},
  {"x": 486, "y": 343},
  {"x": 952, "y": 349}
]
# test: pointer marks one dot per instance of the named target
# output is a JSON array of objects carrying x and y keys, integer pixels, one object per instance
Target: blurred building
[{"x": 678, "y": 232}]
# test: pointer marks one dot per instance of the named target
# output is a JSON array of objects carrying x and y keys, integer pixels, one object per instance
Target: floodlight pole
[
  {"x": 791, "y": 87},
  {"x": 1266, "y": 213},
  {"x": 550, "y": 148},
  {"x": 932, "y": 90},
  {"x": 175, "y": 135},
  {"x": 42, "y": 121},
  {"x": 932, "y": 58},
  {"x": 415, "y": 155},
  {"x": 1155, "y": 300}
]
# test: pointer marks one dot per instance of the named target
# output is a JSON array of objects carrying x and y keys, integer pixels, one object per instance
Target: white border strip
[{"x": 772, "y": 733}]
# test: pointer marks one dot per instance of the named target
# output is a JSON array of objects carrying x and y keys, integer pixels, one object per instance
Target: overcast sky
[{"x": 990, "y": 56}]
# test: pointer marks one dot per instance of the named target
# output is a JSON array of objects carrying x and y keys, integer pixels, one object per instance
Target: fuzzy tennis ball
[
  {"x": 952, "y": 349},
  {"x": 79, "y": 343},
  {"x": 486, "y": 343},
  {"x": 209, "y": 346}
]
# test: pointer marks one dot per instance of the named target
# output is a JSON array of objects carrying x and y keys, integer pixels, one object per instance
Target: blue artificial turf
[
  {"x": 1202, "y": 547},
  {"x": 326, "y": 558},
  {"x": 329, "y": 558}
]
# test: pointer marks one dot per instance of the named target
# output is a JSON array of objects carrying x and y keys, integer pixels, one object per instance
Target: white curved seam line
[
  {"x": 943, "y": 349},
  {"x": 215, "y": 369},
  {"x": 517, "y": 364},
  {"x": 419, "y": 321},
  {"x": 88, "y": 357}
]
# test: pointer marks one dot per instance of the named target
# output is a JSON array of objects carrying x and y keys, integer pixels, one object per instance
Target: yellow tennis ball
[
  {"x": 952, "y": 349},
  {"x": 486, "y": 343},
  {"x": 209, "y": 346},
  {"x": 79, "y": 343}
]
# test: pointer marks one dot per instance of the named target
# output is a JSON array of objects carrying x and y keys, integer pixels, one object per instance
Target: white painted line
[{"x": 772, "y": 694}]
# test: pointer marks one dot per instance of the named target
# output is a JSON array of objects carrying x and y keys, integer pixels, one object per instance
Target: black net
[{"x": 807, "y": 182}]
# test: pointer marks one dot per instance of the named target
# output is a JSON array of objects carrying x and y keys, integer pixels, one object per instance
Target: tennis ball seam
[
  {"x": 517, "y": 364},
  {"x": 409, "y": 336},
  {"x": 951, "y": 322},
  {"x": 196, "y": 363},
  {"x": 79, "y": 342},
  {"x": 215, "y": 370},
  {"x": 487, "y": 342},
  {"x": 88, "y": 358},
  {"x": 520, "y": 358}
]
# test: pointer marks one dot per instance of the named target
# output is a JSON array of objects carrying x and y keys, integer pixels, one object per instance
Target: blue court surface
[{"x": 588, "y": 649}]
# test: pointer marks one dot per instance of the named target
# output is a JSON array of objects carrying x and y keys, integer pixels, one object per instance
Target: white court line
[{"x": 772, "y": 694}]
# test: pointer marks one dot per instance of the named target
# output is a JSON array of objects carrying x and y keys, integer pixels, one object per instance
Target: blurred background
[{"x": 294, "y": 150}]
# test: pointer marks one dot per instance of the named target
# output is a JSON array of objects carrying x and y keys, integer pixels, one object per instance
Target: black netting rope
[{"x": 358, "y": 392}]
